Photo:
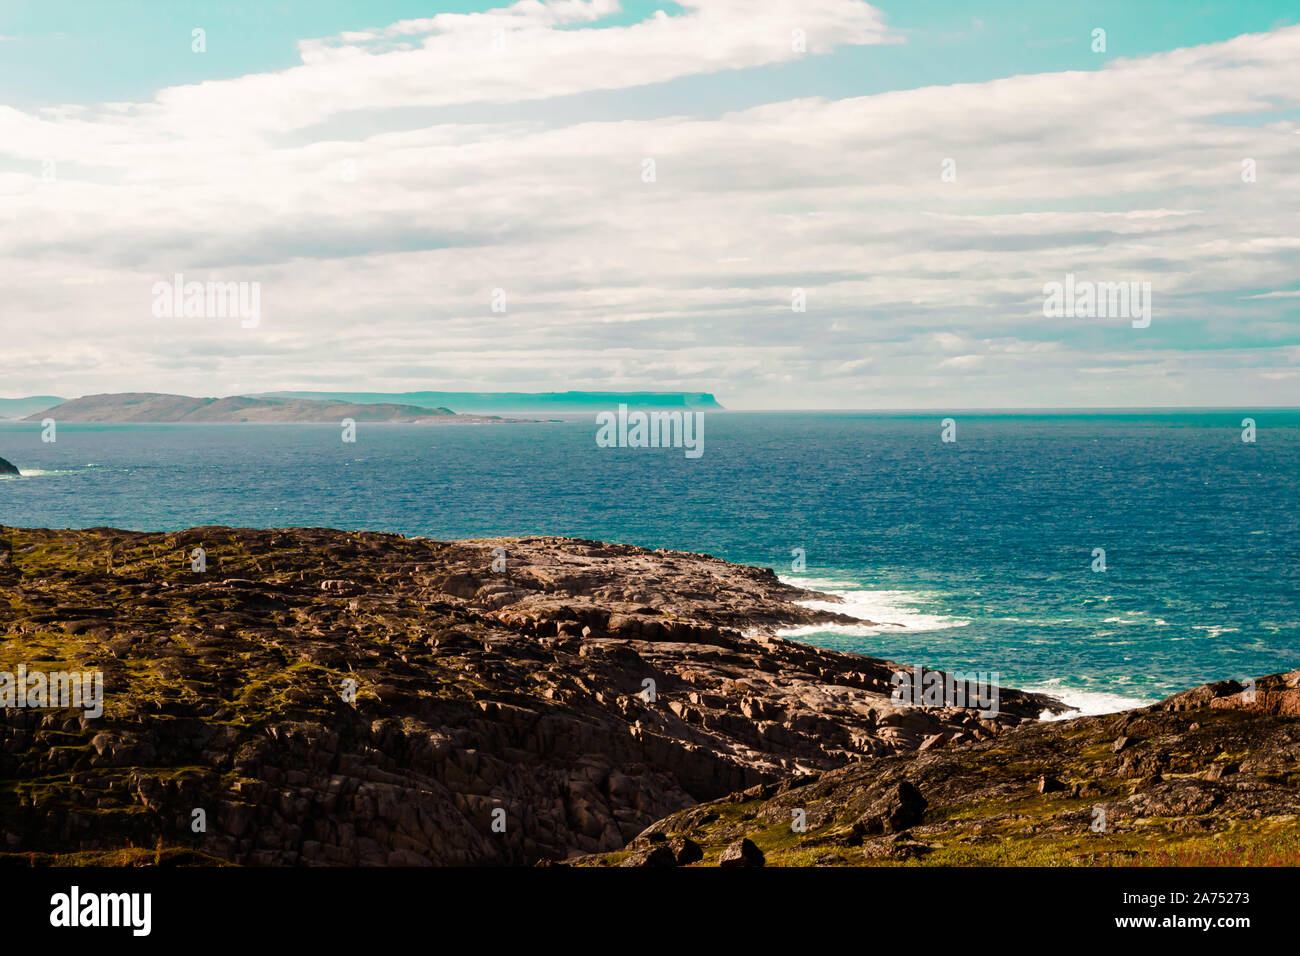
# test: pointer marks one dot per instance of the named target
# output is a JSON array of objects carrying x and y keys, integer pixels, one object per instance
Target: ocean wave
[
  {"x": 1087, "y": 702},
  {"x": 890, "y": 611},
  {"x": 1138, "y": 618},
  {"x": 1215, "y": 630}
]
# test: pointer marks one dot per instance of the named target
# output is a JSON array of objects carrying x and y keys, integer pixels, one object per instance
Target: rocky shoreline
[
  {"x": 349, "y": 698},
  {"x": 1210, "y": 776}
]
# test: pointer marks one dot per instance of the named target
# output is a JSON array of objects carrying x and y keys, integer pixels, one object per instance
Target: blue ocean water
[{"x": 982, "y": 548}]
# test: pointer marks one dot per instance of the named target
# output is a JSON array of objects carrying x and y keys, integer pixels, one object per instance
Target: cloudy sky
[{"x": 381, "y": 168}]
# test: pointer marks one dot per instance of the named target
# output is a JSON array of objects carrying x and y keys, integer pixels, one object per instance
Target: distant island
[
  {"x": 311, "y": 407},
  {"x": 480, "y": 403},
  {"x": 155, "y": 408}
]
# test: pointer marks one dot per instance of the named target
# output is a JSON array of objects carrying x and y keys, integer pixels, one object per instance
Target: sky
[{"x": 788, "y": 203}]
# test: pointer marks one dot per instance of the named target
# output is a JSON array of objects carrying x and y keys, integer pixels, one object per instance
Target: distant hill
[
  {"x": 506, "y": 402},
  {"x": 151, "y": 407},
  {"x": 16, "y": 408}
]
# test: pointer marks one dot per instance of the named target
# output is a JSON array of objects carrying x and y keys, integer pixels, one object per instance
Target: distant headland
[
  {"x": 480, "y": 403},
  {"x": 155, "y": 408},
  {"x": 310, "y": 407}
]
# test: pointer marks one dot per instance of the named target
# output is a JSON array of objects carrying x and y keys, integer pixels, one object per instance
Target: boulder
[
  {"x": 741, "y": 853},
  {"x": 898, "y": 808},
  {"x": 657, "y": 856},
  {"x": 686, "y": 851}
]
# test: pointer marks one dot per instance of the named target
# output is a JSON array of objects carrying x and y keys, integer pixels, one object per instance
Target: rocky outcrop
[
  {"x": 1210, "y": 776},
  {"x": 325, "y": 697},
  {"x": 8, "y": 468}
]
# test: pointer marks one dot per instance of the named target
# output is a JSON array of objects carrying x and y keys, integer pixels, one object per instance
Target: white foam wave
[
  {"x": 888, "y": 611},
  {"x": 1086, "y": 702},
  {"x": 1215, "y": 630}
]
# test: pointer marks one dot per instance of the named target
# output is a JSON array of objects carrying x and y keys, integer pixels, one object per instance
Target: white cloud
[
  {"x": 517, "y": 54},
  {"x": 919, "y": 291}
]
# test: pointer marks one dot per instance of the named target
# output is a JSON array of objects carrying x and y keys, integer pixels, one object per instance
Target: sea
[{"x": 1108, "y": 558}]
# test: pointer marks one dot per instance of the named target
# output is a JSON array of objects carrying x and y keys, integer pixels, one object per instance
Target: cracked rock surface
[
  {"x": 344, "y": 698},
  {"x": 1210, "y": 776}
]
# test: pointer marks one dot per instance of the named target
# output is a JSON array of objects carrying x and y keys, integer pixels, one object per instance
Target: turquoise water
[{"x": 982, "y": 548}]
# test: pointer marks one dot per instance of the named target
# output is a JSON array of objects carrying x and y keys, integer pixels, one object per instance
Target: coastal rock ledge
[
  {"x": 1208, "y": 777},
  {"x": 338, "y": 698}
]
